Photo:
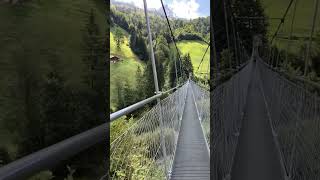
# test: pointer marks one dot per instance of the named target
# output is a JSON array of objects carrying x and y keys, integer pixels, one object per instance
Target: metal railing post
[
  {"x": 176, "y": 71},
  {"x": 291, "y": 31},
  {"x": 154, "y": 69},
  {"x": 311, "y": 37},
  {"x": 227, "y": 30},
  {"x": 278, "y": 59}
]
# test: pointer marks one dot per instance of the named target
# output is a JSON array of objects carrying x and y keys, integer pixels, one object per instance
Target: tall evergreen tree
[
  {"x": 162, "y": 54},
  {"x": 4, "y": 156},
  {"x": 119, "y": 38},
  {"x": 172, "y": 68},
  {"x": 95, "y": 59},
  {"x": 140, "y": 90},
  {"x": 26, "y": 94},
  {"x": 148, "y": 77},
  {"x": 120, "y": 98},
  {"x": 55, "y": 101},
  {"x": 94, "y": 50},
  {"x": 248, "y": 28},
  {"x": 187, "y": 65}
]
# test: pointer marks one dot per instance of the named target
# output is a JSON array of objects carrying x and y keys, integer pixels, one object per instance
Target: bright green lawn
[
  {"x": 303, "y": 20},
  {"x": 303, "y": 17},
  {"x": 196, "y": 49},
  {"x": 124, "y": 71}
]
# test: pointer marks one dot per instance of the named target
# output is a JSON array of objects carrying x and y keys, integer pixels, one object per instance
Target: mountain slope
[
  {"x": 40, "y": 32},
  {"x": 196, "y": 49},
  {"x": 123, "y": 71}
]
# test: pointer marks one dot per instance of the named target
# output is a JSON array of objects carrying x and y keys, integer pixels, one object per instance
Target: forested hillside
[
  {"x": 129, "y": 43},
  {"x": 301, "y": 32},
  {"x": 291, "y": 54},
  {"x": 122, "y": 73},
  {"x": 132, "y": 75},
  {"x": 52, "y": 79}
]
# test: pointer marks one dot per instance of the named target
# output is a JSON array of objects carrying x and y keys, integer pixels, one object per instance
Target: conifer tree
[
  {"x": 187, "y": 65},
  {"x": 248, "y": 28}
]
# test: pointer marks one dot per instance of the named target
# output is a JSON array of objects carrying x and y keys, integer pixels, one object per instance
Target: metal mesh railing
[
  {"x": 202, "y": 100},
  {"x": 227, "y": 108},
  {"x": 295, "y": 121},
  {"x": 146, "y": 150}
]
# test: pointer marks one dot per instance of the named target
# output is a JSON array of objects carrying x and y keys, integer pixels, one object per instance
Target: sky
[{"x": 187, "y": 9}]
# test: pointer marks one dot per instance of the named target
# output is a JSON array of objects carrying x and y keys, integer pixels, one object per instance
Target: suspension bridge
[
  {"x": 263, "y": 127},
  {"x": 257, "y": 124}
]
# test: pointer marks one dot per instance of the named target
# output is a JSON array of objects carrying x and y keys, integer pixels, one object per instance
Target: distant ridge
[{"x": 130, "y": 6}]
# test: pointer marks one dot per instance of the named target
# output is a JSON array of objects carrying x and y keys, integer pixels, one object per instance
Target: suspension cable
[
  {"x": 172, "y": 35},
  {"x": 203, "y": 57},
  {"x": 282, "y": 21},
  {"x": 314, "y": 18}
]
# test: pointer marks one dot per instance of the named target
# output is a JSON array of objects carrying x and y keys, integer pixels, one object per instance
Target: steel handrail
[
  {"x": 48, "y": 157},
  {"x": 138, "y": 105}
]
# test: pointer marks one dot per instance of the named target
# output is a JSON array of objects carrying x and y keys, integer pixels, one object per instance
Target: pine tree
[
  {"x": 57, "y": 118},
  {"x": 162, "y": 54},
  {"x": 97, "y": 75},
  {"x": 118, "y": 38},
  {"x": 27, "y": 94},
  {"x": 187, "y": 65},
  {"x": 4, "y": 156},
  {"x": 248, "y": 28},
  {"x": 94, "y": 50},
  {"x": 140, "y": 83},
  {"x": 133, "y": 41},
  {"x": 148, "y": 77},
  {"x": 173, "y": 64},
  {"x": 121, "y": 101}
]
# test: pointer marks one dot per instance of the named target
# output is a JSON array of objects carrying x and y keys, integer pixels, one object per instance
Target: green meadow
[
  {"x": 302, "y": 24},
  {"x": 196, "y": 49},
  {"x": 123, "y": 71}
]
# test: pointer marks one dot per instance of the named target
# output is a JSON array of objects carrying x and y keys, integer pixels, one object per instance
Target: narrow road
[
  {"x": 192, "y": 161},
  {"x": 256, "y": 156}
]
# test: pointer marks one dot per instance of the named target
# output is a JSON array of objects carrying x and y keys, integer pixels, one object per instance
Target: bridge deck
[
  {"x": 192, "y": 159},
  {"x": 256, "y": 156}
]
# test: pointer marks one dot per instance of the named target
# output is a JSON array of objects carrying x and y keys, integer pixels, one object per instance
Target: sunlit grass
[
  {"x": 123, "y": 71},
  {"x": 302, "y": 24},
  {"x": 196, "y": 49}
]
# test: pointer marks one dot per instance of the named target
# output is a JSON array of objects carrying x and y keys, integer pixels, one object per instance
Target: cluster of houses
[{"x": 114, "y": 59}]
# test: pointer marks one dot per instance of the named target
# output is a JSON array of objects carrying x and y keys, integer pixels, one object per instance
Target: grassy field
[
  {"x": 196, "y": 49},
  {"x": 123, "y": 71},
  {"x": 37, "y": 32},
  {"x": 302, "y": 24}
]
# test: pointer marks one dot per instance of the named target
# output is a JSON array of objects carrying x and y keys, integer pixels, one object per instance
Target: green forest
[
  {"x": 52, "y": 80},
  {"x": 290, "y": 54},
  {"x": 131, "y": 75},
  {"x": 128, "y": 42}
]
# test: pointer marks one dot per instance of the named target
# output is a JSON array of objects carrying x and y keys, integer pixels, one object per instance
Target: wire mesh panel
[
  {"x": 202, "y": 100},
  {"x": 146, "y": 149},
  {"x": 294, "y": 115},
  {"x": 227, "y": 106}
]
